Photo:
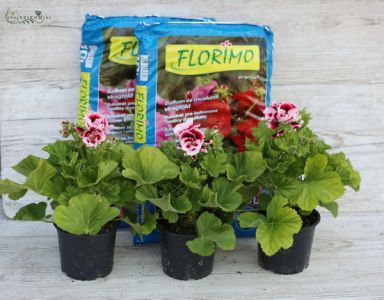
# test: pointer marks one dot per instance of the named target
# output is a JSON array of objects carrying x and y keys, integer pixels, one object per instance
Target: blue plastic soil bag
[
  {"x": 154, "y": 237},
  {"x": 108, "y": 58},
  {"x": 217, "y": 74}
]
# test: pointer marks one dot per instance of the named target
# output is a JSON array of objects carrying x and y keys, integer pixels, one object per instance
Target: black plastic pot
[
  {"x": 178, "y": 261},
  {"x": 295, "y": 259},
  {"x": 86, "y": 257}
]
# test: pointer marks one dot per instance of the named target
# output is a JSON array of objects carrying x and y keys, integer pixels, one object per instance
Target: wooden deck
[
  {"x": 346, "y": 263},
  {"x": 329, "y": 57}
]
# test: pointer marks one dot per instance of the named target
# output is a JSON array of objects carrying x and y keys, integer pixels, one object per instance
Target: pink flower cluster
[
  {"x": 191, "y": 138},
  {"x": 285, "y": 112},
  {"x": 202, "y": 90},
  {"x": 96, "y": 129}
]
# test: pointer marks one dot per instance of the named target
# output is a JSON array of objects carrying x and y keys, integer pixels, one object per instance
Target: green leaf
[
  {"x": 110, "y": 191},
  {"x": 332, "y": 207},
  {"x": 149, "y": 193},
  {"x": 146, "y": 192},
  {"x": 249, "y": 145},
  {"x": 39, "y": 176},
  {"x": 121, "y": 150},
  {"x": 105, "y": 168},
  {"x": 209, "y": 198},
  {"x": 71, "y": 173},
  {"x": 224, "y": 194},
  {"x": 191, "y": 177},
  {"x": 117, "y": 192},
  {"x": 305, "y": 116},
  {"x": 251, "y": 219},
  {"x": 181, "y": 203},
  {"x": 54, "y": 187},
  {"x": 27, "y": 165},
  {"x": 286, "y": 186},
  {"x": 17, "y": 195},
  {"x": 58, "y": 151},
  {"x": 214, "y": 164},
  {"x": 210, "y": 228},
  {"x": 263, "y": 135},
  {"x": 85, "y": 214},
  {"x": 170, "y": 216},
  {"x": 12, "y": 189},
  {"x": 175, "y": 155},
  {"x": 148, "y": 166},
  {"x": 32, "y": 212},
  {"x": 201, "y": 246},
  {"x": 127, "y": 191},
  {"x": 89, "y": 177},
  {"x": 73, "y": 159},
  {"x": 216, "y": 137},
  {"x": 195, "y": 197},
  {"x": 246, "y": 166},
  {"x": 344, "y": 168},
  {"x": 148, "y": 225},
  {"x": 319, "y": 185},
  {"x": 280, "y": 226},
  {"x": 70, "y": 191}
]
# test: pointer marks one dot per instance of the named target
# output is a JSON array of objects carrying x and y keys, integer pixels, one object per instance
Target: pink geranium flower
[
  {"x": 191, "y": 138},
  {"x": 96, "y": 120},
  {"x": 93, "y": 137},
  {"x": 270, "y": 113},
  {"x": 95, "y": 131},
  {"x": 286, "y": 112}
]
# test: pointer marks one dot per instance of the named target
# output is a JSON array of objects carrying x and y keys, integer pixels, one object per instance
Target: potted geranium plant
[
  {"x": 300, "y": 176},
  {"x": 82, "y": 180},
  {"x": 196, "y": 184}
]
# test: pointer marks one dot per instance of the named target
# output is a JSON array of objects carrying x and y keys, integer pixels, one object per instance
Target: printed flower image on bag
[
  {"x": 117, "y": 80},
  {"x": 215, "y": 74}
]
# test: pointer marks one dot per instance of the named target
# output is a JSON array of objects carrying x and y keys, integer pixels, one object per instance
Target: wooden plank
[
  {"x": 323, "y": 45},
  {"x": 29, "y": 267}
]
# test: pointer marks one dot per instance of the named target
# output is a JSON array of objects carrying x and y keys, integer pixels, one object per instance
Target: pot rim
[
  {"x": 161, "y": 227},
  {"x": 318, "y": 218},
  {"x": 114, "y": 229}
]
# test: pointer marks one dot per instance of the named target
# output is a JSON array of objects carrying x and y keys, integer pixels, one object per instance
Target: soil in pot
[
  {"x": 295, "y": 259},
  {"x": 177, "y": 260},
  {"x": 87, "y": 257}
]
